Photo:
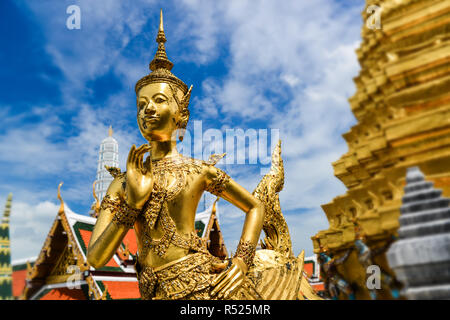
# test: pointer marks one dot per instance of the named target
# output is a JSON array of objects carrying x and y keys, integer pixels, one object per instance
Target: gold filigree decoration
[
  {"x": 170, "y": 236},
  {"x": 147, "y": 281},
  {"x": 214, "y": 158},
  {"x": 187, "y": 278},
  {"x": 124, "y": 215},
  {"x": 114, "y": 171},
  {"x": 218, "y": 184},
  {"x": 274, "y": 226},
  {"x": 246, "y": 251},
  {"x": 161, "y": 65},
  {"x": 178, "y": 168},
  {"x": 67, "y": 259},
  {"x": 156, "y": 207}
]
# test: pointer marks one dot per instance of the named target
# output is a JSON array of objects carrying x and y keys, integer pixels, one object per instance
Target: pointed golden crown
[{"x": 161, "y": 65}]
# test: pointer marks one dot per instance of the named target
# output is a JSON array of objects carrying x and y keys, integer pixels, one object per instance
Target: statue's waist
[
  {"x": 160, "y": 232},
  {"x": 171, "y": 246},
  {"x": 156, "y": 269},
  {"x": 153, "y": 260},
  {"x": 177, "y": 279}
]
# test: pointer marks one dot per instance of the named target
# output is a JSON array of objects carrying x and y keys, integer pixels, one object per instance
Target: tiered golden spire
[
  {"x": 160, "y": 60},
  {"x": 161, "y": 65}
]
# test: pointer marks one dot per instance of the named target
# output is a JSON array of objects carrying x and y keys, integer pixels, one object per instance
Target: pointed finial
[
  {"x": 61, "y": 207},
  {"x": 277, "y": 168},
  {"x": 110, "y": 131},
  {"x": 214, "y": 209},
  {"x": 96, "y": 206},
  {"x": 160, "y": 61},
  {"x": 413, "y": 174},
  {"x": 160, "y": 66},
  {"x": 161, "y": 37},
  {"x": 161, "y": 24}
]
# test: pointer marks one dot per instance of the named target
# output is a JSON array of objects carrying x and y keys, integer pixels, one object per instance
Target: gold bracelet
[
  {"x": 218, "y": 184},
  {"x": 123, "y": 214},
  {"x": 246, "y": 251}
]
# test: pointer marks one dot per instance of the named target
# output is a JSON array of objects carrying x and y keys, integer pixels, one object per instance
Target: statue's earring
[
  {"x": 184, "y": 113},
  {"x": 181, "y": 134}
]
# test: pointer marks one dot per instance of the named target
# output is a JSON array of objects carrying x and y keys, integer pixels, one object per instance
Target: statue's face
[{"x": 157, "y": 111}]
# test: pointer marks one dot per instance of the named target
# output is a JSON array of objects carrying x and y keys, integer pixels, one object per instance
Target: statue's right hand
[{"x": 139, "y": 177}]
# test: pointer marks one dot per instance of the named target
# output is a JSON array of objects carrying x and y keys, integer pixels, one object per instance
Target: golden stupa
[{"x": 402, "y": 107}]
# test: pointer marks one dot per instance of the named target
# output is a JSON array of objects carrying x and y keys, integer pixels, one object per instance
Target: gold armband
[
  {"x": 218, "y": 184},
  {"x": 123, "y": 214},
  {"x": 246, "y": 251}
]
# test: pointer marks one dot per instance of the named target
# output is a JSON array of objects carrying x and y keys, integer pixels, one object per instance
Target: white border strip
[
  {"x": 80, "y": 218},
  {"x": 57, "y": 286},
  {"x": 23, "y": 261},
  {"x": 115, "y": 279}
]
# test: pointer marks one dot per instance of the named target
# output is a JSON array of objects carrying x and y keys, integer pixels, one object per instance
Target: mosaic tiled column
[{"x": 5, "y": 254}]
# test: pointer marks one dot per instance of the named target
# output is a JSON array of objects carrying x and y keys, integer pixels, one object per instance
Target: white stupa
[{"x": 108, "y": 155}]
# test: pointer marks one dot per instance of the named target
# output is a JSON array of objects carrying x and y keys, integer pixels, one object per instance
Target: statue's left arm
[{"x": 220, "y": 184}]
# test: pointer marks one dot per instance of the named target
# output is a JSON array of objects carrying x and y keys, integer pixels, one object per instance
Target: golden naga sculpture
[{"x": 159, "y": 198}]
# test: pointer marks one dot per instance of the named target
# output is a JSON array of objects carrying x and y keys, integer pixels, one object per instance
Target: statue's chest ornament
[{"x": 170, "y": 176}]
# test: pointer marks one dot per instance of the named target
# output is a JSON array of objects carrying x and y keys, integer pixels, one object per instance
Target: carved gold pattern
[
  {"x": 156, "y": 207},
  {"x": 123, "y": 214},
  {"x": 170, "y": 236},
  {"x": 218, "y": 184},
  {"x": 275, "y": 226},
  {"x": 246, "y": 251},
  {"x": 187, "y": 278},
  {"x": 115, "y": 172},
  {"x": 67, "y": 259}
]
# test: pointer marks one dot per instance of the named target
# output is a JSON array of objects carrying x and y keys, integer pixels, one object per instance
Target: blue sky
[{"x": 254, "y": 64}]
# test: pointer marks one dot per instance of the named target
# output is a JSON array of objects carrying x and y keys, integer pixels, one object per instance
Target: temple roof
[{"x": 64, "y": 251}]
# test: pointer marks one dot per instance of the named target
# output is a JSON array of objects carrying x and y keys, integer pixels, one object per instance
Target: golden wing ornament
[{"x": 276, "y": 273}]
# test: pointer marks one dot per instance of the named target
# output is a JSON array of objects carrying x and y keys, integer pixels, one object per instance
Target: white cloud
[
  {"x": 291, "y": 79},
  {"x": 107, "y": 27},
  {"x": 198, "y": 30},
  {"x": 34, "y": 152},
  {"x": 23, "y": 145},
  {"x": 30, "y": 225}
]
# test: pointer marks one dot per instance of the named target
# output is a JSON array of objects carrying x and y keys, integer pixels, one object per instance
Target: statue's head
[{"x": 162, "y": 98}]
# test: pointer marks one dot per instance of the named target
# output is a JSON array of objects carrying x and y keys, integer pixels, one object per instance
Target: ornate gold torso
[{"x": 165, "y": 226}]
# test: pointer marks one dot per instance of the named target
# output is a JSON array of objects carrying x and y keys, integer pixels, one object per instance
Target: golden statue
[{"x": 158, "y": 196}]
